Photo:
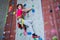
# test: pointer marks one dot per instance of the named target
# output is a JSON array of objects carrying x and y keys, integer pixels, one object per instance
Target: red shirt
[{"x": 19, "y": 13}]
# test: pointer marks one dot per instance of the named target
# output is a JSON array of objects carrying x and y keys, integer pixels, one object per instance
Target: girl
[{"x": 22, "y": 22}]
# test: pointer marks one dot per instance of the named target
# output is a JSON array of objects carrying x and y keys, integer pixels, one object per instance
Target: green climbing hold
[
  {"x": 35, "y": 39},
  {"x": 32, "y": 5},
  {"x": 54, "y": 38},
  {"x": 20, "y": 34}
]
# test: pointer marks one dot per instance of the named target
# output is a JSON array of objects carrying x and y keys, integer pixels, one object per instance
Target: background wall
[
  {"x": 36, "y": 16},
  {"x": 3, "y": 12}
]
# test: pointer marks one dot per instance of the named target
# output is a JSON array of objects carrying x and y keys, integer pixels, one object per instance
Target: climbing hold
[
  {"x": 57, "y": 8},
  {"x": 12, "y": 1},
  {"x": 29, "y": 33},
  {"x": 13, "y": 13},
  {"x": 51, "y": 11},
  {"x": 10, "y": 8},
  {"x": 46, "y": 23},
  {"x": 32, "y": 5},
  {"x": 54, "y": 38},
  {"x": 35, "y": 39},
  {"x": 11, "y": 36},
  {"x": 53, "y": 31},
  {"x": 3, "y": 32},
  {"x": 6, "y": 15},
  {"x": 25, "y": 5},
  {"x": 33, "y": 10},
  {"x": 40, "y": 38},
  {"x": 20, "y": 34}
]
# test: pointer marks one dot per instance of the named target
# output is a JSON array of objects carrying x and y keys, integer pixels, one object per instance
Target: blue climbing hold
[
  {"x": 29, "y": 33},
  {"x": 33, "y": 10},
  {"x": 12, "y": 2},
  {"x": 25, "y": 5},
  {"x": 40, "y": 38},
  {"x": 31, "y": 0}
]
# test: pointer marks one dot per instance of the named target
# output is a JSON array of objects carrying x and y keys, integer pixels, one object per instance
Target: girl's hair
[{"x": 20, "y": 5}]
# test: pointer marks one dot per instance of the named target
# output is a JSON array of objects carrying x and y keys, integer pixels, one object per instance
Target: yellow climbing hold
[{"x": 13, "y": 13}]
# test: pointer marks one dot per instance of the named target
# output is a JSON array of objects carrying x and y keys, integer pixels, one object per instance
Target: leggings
[{"x": 29, "y": 24}]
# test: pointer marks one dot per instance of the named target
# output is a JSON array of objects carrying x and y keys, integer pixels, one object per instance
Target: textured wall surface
[
  {"x": 3, "y": 12},
  {"x": 51, "y": 16}
]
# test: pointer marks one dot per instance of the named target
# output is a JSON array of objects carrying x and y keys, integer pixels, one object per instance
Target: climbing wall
[
  {"x": 36, "y": 15},
  {"x": 3, "y": 11},
  {"x": 51, "y": 11}
]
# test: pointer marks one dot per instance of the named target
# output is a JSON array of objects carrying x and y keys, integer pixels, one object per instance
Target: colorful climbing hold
[
  {"x": 35, "y": 39},
  {"x": 54, "y": 38},
  {"x": 20, "y": 34},
  {"x": 46, "y": 23},
  {"x": 6, "y": 15},
  {"x": 51, "y": 11},
  {"x": 40, "y": 38},
  {"x": 10, "y": 8},
  {"x": 33, "y": 10},
  {"x": 53, "y": 31},
  {"x": 4, "y": 32},
  {"x": 32, "y": 5},
  {"x": 11, "y": 36},
  {"x": 12, "y": 1},
  {"x": 29, "y": 33},
  {"x": 13, "y": 13},
  {"x": 25, "y": 5},
  {"x": 57, "y": 8}
]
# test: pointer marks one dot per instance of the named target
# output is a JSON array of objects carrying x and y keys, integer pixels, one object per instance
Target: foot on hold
[
  {"x": 35, "y": 36},
  {"x": 25, "y": 33}
]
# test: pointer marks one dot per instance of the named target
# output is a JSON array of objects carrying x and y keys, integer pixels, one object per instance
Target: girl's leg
[{"x": 28, "y": 23}]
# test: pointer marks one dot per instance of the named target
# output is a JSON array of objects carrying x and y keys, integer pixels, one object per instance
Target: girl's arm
[{"x": 27, "y": 9}]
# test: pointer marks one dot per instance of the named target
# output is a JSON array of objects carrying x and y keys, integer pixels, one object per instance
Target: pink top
[{"x": 19, "y": 13}]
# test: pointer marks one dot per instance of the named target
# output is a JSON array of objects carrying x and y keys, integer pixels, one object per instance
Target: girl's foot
[
  {"x": 19, "y": 26},
  {"x": 35, "y": 36},
  {"x": 25, "y": 33}
]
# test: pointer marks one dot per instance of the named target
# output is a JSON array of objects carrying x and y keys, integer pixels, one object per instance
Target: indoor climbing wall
[
  {"x": 51, "y": 15},
  {"x": 36, "y": 16},
  {"x": 3, "y": 11},
  {"x": 9, "y": 28}
]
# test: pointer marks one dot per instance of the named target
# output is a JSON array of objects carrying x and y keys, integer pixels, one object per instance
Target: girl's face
[{"x": 19, "y": 7}]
